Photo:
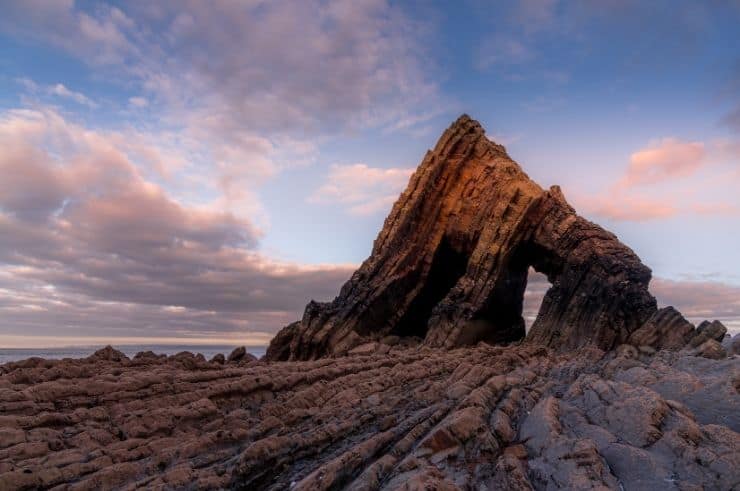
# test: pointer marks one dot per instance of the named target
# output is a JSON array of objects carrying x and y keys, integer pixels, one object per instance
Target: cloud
[
  {"x": 365, "y": 190},
  {"x": 655, "y": 184},
  {"x": 732, "y": 119},
  {"x": 62, "y": 91},
  {"x": 101, "y": 36},
  {"x": 57, "y": 90},
  {"x": 343, "y": 63},
  {"x": 269, "y": 98},
  {"x": 164, "y": 211},
  {"x": 700, "y": 300},
  {"x": 665, "y": 159},
  {"x": 84, "y": 235}
]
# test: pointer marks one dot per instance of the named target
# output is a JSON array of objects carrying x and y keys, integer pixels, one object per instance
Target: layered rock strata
[{"x": 515, "y": 418}]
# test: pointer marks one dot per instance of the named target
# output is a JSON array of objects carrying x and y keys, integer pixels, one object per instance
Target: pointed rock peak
[
  {"x": 466, "y": 122},
  {"x": 449, "y": 268},
  {"x": 466, "y": 137}
]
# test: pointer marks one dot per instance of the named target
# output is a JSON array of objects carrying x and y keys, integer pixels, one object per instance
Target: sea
[{"x": 15, "y": 354}]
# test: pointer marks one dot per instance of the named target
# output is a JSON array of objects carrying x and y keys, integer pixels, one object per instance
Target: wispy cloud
[
  {"x": 57, "y": 90},
  {"x": 362, "y": 189},
  {"x": 62, "y": 91}
]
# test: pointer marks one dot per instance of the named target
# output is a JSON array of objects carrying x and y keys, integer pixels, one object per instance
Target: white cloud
[
  {"x": 56, "y": 90},
  {"x": 364, "y": 190},
  {"x": 62, "y": 91}
]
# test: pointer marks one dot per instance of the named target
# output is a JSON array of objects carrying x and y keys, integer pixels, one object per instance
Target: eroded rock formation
[
  {"x": 450, "y": 264},
  {"x": 572, "y": 408},
  {"x": 499, "y": 418}
]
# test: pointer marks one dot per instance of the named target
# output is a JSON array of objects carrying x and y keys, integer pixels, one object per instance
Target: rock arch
[{"x": 450, "y": 264}]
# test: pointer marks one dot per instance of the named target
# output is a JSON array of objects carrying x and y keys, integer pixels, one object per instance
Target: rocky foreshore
[
  {"x": 420, "y": 374},
  {"x": 386, "y": 417}
]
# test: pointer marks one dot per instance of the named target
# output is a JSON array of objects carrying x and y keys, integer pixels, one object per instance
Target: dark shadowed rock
[
  {"x": 108, "y": 353},
  {"x": 240, "y": 355},
  {"x": 218, "y": 358},
  {"x": 237, "y": 354},
  {"x": 450, "y": 264},
  {"x": 708, "y": 330}
]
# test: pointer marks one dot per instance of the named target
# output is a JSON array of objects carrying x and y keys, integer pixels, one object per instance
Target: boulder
[
  {"x": 666, "y": 329},
  {"x": 708, "y": 330},
  {"x": 710, "y": 349},
  {"x": 237, "y": 354},
  {"x": 108, "y": 353}
]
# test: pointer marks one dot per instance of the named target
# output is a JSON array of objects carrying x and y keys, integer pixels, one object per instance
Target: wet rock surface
[{"x": 483, "y": 417}]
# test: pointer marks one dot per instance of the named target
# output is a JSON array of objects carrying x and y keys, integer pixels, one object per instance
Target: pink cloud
[
  {"x": 654, "y": 187},
  {"x": 666, "y": 159}
]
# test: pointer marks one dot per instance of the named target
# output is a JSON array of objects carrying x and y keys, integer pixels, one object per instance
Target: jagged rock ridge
[{"x": 450, "y": 264}]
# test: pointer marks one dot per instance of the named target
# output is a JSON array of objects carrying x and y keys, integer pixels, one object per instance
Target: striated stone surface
[
  {"x": 450, "y": 264},
  {"x": 706, "y": 331},
  {"x": 482, "y": 417},
  {"x": 666, "y": 329}
]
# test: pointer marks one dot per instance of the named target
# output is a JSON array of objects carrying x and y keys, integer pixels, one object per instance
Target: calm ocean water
[{"x": 15, "y": 354}]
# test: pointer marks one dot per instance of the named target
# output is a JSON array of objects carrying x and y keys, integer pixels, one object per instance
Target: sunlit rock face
[{"x": 450, "y": 265}]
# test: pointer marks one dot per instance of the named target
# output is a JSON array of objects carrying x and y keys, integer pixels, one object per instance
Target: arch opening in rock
[
  {"x": 514, "y": 301},
  {"x": 537, "y": 287},
  {"x": 448, "y": 266}
]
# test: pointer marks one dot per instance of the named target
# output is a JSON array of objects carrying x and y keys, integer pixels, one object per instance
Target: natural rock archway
[{"x": 450, "y": 264}]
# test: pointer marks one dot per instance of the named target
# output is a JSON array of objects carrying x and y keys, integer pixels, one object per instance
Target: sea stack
[{"x": 450, "y": 265}]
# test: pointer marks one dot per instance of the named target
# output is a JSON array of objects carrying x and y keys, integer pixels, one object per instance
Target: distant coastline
[{"x": 14, "y": 354}]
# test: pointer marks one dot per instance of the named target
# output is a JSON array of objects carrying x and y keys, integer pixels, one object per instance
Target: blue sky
[{"x": 201, "y": 170}]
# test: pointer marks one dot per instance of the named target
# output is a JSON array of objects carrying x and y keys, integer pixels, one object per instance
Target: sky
[{"x": 188, "y": 171}]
